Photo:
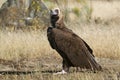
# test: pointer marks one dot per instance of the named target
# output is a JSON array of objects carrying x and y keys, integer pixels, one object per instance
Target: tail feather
[{"x": 93, "y": 63}]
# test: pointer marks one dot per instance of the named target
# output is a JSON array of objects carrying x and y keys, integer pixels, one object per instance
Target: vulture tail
[{"x": 94, "y": 65}]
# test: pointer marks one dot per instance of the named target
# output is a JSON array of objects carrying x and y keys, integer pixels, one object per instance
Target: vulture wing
[
  {"x": 88, "y": 47},
  {"x": 75, "y": 49}
]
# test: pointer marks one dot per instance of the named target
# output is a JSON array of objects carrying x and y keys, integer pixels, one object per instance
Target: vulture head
[{"x": 56, "y": 17}]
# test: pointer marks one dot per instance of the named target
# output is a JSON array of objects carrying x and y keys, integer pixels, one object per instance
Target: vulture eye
[{"x": 57, "y": 11}]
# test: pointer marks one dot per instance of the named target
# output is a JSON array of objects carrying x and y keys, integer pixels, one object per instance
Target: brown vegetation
[{"x": 31, "y": 50}]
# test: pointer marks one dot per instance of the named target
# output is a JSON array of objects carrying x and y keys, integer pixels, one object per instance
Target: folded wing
[{"x": 75, "y": 48}]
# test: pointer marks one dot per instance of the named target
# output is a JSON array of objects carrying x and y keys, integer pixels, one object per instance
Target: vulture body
[{"x": 74, "y": 50}]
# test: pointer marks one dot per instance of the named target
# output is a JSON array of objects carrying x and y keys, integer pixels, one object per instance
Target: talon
[{"x": 62, "y": 72}]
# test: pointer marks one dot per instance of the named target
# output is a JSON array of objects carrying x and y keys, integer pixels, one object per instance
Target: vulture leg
[
  {"x": 64, "y": 70},
  {"x": 65, "y": 66}
]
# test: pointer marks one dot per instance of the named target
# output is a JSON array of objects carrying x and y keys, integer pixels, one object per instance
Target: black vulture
[{"x": 74, "y": 50}]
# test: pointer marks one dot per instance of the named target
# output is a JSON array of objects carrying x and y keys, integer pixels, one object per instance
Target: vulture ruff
[{"x": 74, "y": 50}]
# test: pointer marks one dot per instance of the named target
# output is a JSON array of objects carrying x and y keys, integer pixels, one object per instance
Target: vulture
[{"x": 74, "y": 51}]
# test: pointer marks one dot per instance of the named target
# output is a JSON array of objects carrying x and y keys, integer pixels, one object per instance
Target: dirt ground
[{"x": 43, "y": 67}]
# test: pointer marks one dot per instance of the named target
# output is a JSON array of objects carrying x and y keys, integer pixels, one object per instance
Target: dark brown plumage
[{"x": 74, "y": 50}]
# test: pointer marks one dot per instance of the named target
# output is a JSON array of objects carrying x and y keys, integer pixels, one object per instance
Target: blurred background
[
  {"x": 22, "y": 13},
  {"x": 24, "y": 44}
]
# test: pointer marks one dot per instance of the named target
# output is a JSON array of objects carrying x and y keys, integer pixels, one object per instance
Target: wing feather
[{"x": 75, "y": 48}]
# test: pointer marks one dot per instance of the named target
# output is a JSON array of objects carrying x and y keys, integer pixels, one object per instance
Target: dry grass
[
  {"x": 104, "y": 39},
  {"x": 33, "y": 45},
  {"x": 106, "y": 10},
  {"x": 31, "y": 50},
  {"x": 23, "y": 44}
]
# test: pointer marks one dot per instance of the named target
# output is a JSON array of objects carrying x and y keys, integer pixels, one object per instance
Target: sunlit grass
[
  {"x": 22, "y": 44},
  {"x": 103, "y": 39},
  {"x": 34, "y": 46}
]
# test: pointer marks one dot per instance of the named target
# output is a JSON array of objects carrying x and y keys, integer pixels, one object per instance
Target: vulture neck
[
  {"x": 60, "y": 23},
  {"x": 53, "y": 24}
]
